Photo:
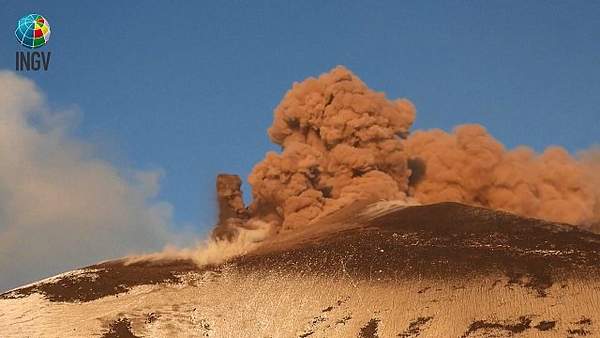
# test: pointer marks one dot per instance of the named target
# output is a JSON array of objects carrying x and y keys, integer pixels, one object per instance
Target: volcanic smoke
[{"x": 343, "y": 142}]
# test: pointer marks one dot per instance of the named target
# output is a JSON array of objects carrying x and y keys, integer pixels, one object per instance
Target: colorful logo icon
[{"x": 33, "y": 31}]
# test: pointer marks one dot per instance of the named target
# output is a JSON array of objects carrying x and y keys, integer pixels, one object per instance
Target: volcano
[{"x": 377, "y": 270}]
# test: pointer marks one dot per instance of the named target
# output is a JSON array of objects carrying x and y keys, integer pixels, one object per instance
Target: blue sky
[{"x": 190, "y": 88}]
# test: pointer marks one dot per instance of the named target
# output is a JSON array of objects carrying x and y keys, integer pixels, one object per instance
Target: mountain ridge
[{"x": 357, "y": 266}]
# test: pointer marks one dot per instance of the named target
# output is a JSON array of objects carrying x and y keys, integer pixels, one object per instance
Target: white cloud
[{"x": 61, "y": 206}]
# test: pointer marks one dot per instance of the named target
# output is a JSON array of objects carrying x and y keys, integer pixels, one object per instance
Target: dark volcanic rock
[
  {"x": 370, "y": 329},
  {"x": 120, "y": 328},
  {"x": 414, "y": 328},
  {"x": 523, "y": 324},
  {"x": 545, "y": 325},
  {"x": 445, "y": 240},
  {"x": 109, "y": 278}
]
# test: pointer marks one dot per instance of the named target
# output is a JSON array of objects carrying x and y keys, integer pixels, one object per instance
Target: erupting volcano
[{"x": 358, "y": 227}]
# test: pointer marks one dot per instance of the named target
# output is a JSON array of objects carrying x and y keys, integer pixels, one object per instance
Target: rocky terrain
[{"x": 383, "y": 270}]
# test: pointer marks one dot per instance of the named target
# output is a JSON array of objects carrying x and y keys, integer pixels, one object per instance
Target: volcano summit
[
  {"x": 358, "y": 228},
  {"x": 383, "y": 270}
]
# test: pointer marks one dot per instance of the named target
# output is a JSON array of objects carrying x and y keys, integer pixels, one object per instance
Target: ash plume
[
  {"x": 472, "y": 167},
  {"x": 342, "y": 142}
]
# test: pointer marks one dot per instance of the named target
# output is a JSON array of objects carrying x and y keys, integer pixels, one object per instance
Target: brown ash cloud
[{"x": 342, "y": 142}]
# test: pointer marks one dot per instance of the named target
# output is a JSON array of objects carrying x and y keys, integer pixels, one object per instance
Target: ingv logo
[{"x": 33, "y": 31}]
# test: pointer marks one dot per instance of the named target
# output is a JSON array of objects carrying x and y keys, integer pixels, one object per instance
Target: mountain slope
[{"x": 436, "y": 270}]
